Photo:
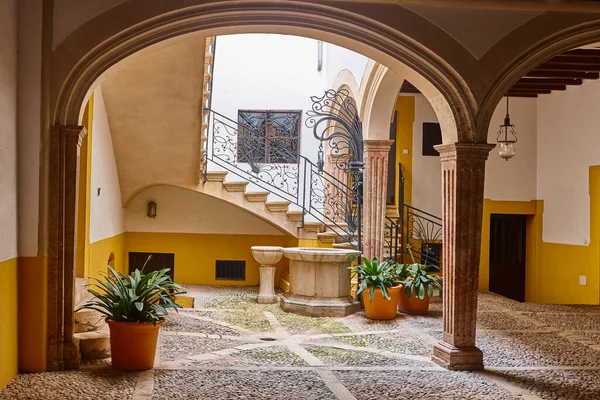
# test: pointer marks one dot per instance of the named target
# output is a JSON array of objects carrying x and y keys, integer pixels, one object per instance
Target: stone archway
[{"x": 95, "y": 46}]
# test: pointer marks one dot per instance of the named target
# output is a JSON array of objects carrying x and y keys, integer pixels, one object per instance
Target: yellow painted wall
[
  {"x": 553, "y": 269},
  {"x": 100, "y": 252},
  {"x": 405, "y": 119},
  {"x": 32, "y": 307},
  {"x": 196, "y": 254},
  {"x": 8, "y": 321},
  {"x": 84, "y": 190}
]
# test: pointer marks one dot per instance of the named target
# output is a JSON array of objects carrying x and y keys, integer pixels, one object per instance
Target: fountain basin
[
  {"x": 320, "y": 282},
  {"x": 267, "y": 257}
]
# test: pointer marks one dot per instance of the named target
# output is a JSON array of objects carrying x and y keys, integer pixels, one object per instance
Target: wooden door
[
  {"x": 157, "y": 262},
  {"x": 507, "y": 255}
]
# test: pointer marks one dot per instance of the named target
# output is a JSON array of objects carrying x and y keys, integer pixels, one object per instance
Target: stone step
[
  {"x": 327, "y": 237},
  {"x": 278, "y": 206},
  {"x": 235, "y": 186},
  {"x": 344, "y": 245},
  {"x": 256, "y": 197},
  {"x": 93, "y": 345},
  {"x": 314, "y": 227},
  {"x": 295, "y": 215},
  {"x": 216, "y": 176},
  {"x": 88, "y": 321}
]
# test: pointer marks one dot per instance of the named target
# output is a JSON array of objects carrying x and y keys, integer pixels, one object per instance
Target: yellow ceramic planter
[
  {"x": 133, "y": 344},
  {"x": 380, "y": 307}
]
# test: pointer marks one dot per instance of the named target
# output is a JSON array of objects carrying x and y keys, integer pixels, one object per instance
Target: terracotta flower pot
[
  {"x": 414, "y": 305},
  {"x": 133, "y": 344},
  {"x": 380, "y": 307}
]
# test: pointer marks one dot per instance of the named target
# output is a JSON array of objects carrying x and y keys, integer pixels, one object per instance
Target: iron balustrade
[
  {"x": 302, "y": 182},
  {"x": 416, "y": 229}
]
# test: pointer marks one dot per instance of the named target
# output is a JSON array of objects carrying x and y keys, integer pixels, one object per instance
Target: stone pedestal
[
  {"x": 463, "y": 173},
  {"x": 267, "y": 257},
  {"x": 320, "y": 282},
  {"x": 376, "y": 154}
]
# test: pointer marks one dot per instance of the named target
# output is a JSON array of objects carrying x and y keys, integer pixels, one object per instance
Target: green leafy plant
[
  {"x": 374, "y": 275},
  {"x": 137, "y": 297},
  {"x": 418, "y": 278}
]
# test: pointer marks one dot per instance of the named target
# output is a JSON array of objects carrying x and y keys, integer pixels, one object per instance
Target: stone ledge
[{"x": 319, "y": 307}]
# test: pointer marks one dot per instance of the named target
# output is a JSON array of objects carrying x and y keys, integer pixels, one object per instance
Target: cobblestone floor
[{"x": 229, "y": 347}]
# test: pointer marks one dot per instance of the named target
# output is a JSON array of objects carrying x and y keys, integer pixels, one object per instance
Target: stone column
[
  {"x": 376, "y": 154},
  {"x": 463, "y": 174},
  {"x": 63, "y": 350}
]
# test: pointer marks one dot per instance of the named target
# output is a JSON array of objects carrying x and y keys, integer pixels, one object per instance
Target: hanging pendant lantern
[{"x": 507, "y": 137}]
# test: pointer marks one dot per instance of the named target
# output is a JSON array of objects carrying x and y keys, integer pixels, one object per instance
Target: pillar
[
  {"x": 65, "y": 145},
  {"x": 463, "y": 174},
  {"x": 375, "y": 156}
]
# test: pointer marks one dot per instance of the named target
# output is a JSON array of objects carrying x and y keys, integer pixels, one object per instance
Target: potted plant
[
  {"x": 383, "y": 295},
  {"x": 135, "y": 307},
  {"x": 418, "y": 284}
]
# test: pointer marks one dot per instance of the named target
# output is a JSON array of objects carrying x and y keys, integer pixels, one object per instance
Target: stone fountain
[{"x": 320, "y": 282}]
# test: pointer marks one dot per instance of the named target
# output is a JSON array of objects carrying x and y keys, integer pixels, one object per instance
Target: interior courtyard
[{"x": 188, "y": 134}]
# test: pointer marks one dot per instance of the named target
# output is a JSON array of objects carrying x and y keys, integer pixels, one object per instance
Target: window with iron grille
[{"x": 268, "y": 136}]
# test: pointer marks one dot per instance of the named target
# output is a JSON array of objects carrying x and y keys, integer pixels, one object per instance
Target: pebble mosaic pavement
[{"x": 229, "y": 347}]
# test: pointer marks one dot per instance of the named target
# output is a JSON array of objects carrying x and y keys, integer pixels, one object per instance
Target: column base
[
  {"x": 267, "y": 299},
  {"x": 457, "y": 358}
]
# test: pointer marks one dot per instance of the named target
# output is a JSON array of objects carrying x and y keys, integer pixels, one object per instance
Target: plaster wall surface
[
  {"x": 337, "y": 58},
  {"x": 268, "y": 72},
  {"x": 107, "y": 217},
  {"x": 29, "y": 123},
  {"x": 568, "y": 145},
  {"x": 8, "y": 130},
  {"x": 185, "y": 211},
  {"x": 514, "y": 180}
]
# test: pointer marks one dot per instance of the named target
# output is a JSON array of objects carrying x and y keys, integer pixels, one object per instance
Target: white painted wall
[
  {"x": 8, "y": 129},
  {"x": 29, "y": 123},
  {"x": 107, "y": 217},
  {"x": 185, "y": 211},
  {"x": 513, "y": 180},
  {"x": 569, "y": 139},
  {"x": 338, "y": 58},
  {"x": 267, "y": 72}
]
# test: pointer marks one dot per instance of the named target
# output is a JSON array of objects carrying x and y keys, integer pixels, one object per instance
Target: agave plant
[
  {"x": 137, "y": 297},
  {"x": 374, "y": 275},
  {"x": 419, "y": 278}
]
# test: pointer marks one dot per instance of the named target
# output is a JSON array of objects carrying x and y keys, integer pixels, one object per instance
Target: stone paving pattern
[{"x": 229, "y": 347}]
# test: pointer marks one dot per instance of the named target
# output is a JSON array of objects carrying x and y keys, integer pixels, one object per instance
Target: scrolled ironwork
[
  {"x": 424, "y": 235},
  {"x": 334, "y": 120}
]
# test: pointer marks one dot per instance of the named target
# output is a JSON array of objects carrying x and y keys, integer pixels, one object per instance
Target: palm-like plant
[
  {"x": 419, "y": 279},
  {"x": 134, "y": 298},
  {"x": 374, "y": 275}
]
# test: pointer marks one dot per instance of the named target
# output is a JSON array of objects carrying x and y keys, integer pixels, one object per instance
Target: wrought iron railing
[
  {"x": 414, "y": 229},
  {"x": 240, "y": 149}
]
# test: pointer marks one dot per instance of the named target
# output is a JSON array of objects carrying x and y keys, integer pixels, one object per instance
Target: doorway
[
  {"x": 507, "y": 255},
  {"x": 157, "y": 262}
]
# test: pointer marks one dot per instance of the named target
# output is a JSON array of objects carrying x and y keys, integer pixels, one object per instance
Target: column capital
[
  {"x": 377, "y": 144},
  {"x": 464, "y": 151}
]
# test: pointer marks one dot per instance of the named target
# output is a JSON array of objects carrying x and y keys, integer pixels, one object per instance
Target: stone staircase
[
  {"x": 261, "y": 204},
  {"x": 90, "y": 328}
]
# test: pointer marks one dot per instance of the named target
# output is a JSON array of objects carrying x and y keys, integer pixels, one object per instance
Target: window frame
[{"x": 269, "y": 137}]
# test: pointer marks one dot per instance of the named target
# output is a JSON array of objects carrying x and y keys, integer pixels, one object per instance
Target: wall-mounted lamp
[{"x": 152, "y": 209}]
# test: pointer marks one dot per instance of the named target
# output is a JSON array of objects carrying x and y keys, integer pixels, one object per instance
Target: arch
[
  {"x": 96, "y": 45},
  {"x": 541, "y": 51},
  {"x": 380, "y": 88},
  {"x": 346, "y": 80}
]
